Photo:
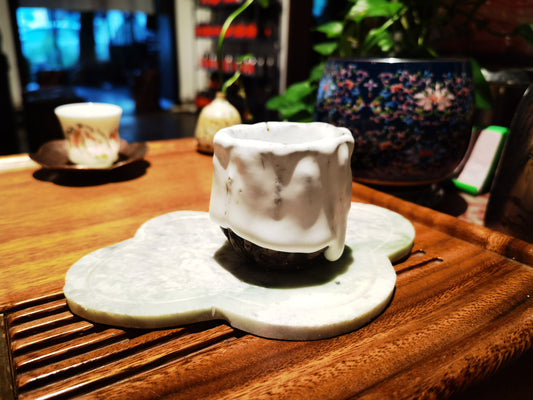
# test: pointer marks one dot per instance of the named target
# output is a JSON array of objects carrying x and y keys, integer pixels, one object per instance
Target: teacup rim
[
  {"x": 224, "y": 137},
  {"x": 111, "y": 110}
]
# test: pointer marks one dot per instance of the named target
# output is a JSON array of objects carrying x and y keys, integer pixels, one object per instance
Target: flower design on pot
[{"x": 411, "y": 120}]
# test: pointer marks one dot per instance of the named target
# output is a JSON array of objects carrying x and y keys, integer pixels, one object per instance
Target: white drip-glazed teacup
[
  {"x": 284, "y": 187},
  {"x": 92, "y": 132}
]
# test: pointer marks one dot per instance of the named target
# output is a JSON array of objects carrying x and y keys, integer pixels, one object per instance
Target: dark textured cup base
[{"x": 270, "y": 258}]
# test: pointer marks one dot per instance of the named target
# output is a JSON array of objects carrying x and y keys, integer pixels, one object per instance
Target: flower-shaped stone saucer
[{"x": 179, "y": 269}]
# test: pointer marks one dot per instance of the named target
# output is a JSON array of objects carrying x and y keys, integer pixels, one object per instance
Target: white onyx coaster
[{"x": 179, "y": 269}]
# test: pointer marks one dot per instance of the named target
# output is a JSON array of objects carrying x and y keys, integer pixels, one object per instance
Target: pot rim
[{"x": 394, "y": 60}]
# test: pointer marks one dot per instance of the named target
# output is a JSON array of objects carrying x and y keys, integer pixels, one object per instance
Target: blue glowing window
[{"x": 50, "y": 38}]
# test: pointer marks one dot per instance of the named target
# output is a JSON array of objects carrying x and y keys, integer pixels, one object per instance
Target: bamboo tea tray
[{"x": 459, "y": 323}]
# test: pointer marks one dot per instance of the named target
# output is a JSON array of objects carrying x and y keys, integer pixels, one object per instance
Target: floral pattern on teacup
[{"x": 91, "y": 143}]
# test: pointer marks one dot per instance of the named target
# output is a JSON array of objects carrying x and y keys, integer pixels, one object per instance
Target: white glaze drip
[{"x": 284, "y": 186}]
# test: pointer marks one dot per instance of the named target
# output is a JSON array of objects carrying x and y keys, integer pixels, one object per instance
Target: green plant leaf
[
  {"x": 307, "y": 118},
  {"x": 379, "y": 38},
  {"x": 297, "y": 91},
  {"x": 481, "y": 87},
  {"x": 316, "y": 72},
  {"x": 276, "y": 102},
  {"x": 373, "y": 8},
  {"x": 326, "y": 48},
  {"x": 525, "y": 31},
  {"x": 298, "y": 113},
  {"x": 284, "y": 106},
  {"x": 297, "y": 103},
  {"x": 292, "y": 109},
  {"x": 332, "y": 29},
  {"x": 295, "y": 94}
]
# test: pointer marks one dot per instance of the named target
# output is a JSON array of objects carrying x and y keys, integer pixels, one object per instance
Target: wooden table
[{"x": 461, "y": 313}]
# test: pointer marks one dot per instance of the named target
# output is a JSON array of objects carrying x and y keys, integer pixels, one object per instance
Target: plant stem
[
  {"x": 223, "y": 31},
  {"x": 230, "y": 81}
]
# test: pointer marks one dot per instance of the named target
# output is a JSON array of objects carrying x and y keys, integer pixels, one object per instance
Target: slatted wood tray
[
  {"x": 462, "y": 311},
  {"x": 459, "y": 314},
  {"x": 55, "y": 354}
]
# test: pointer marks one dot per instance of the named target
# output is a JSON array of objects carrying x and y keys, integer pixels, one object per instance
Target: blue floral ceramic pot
[{"x": 411, "y": 119}]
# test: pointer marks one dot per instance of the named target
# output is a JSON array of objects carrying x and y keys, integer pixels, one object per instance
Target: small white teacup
[
  {"x": 282, "y": 190},
  {"x": 92, "y": 132}
]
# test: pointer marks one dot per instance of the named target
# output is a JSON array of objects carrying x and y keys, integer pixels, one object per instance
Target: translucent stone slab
[{"x": 179, "y": 269}]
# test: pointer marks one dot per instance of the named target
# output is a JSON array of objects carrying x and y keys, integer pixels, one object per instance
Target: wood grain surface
[{"x": 461, "y": 315}]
